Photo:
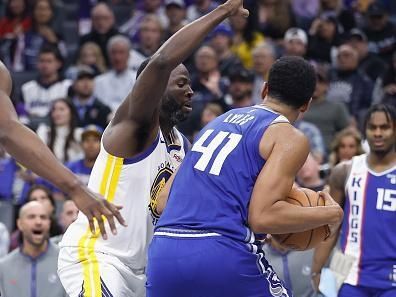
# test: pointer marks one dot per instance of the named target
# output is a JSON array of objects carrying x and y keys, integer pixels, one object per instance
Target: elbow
[{"x": 261, "y": 223}]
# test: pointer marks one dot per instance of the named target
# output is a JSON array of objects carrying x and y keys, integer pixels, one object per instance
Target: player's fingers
[
  {"x": 100, "y": 221},
  {"x": 115, "y": 211},
  {"x": 112, "y": 224},
  {"x": 91, "y": 223}
]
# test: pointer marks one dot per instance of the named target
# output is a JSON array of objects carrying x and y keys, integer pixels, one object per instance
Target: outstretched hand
[
  {"x": 97, "y": 208},
  {"x": 236, "y": 7}
]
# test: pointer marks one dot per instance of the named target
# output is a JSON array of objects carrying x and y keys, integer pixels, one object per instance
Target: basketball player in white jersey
[
  {"x": 140, "y": 150},
  {"x": 366, "y": 187},
  {"x": 24, "y": 145}
]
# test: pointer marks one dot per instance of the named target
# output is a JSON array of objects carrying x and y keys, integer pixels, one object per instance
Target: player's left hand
[{"x": 97, "y": 208}]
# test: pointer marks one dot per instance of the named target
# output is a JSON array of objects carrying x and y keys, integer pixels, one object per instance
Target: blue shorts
[
  {"x": 361, "y": 291},
  {"x": 208, "y": 265}
]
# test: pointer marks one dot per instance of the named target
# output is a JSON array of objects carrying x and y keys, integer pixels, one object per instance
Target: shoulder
[
  {"x": 8, "y": 260},
  {"x": 283, "y": 136},
  {"x": 339, "y": 174},
  {"x": 29, "y": 85}
]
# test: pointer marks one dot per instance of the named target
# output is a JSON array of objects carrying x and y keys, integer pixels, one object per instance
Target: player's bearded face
[{"x": 173, "y": 110}]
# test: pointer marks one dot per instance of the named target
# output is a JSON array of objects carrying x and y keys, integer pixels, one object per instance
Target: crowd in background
[{"x": 73, "y": 62}]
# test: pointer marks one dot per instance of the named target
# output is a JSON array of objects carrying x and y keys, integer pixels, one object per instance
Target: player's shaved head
[{"x": 5, "y": 80}]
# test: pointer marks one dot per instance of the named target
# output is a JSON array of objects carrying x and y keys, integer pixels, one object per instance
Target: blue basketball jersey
[
  {"x": 368, "y": 231},
  {"x": 213, "y": 187}
]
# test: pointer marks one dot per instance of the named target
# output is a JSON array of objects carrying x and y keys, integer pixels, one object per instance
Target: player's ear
[
  {"x": 305, "y": 107},
  {"x": 264, "y": 90}
]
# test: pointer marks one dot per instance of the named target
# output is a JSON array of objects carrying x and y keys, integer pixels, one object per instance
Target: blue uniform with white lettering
[
  {"x": 202, "y": 245},
  {"x": 368, "y": 231}
]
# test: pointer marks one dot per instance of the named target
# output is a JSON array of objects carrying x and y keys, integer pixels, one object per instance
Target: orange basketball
[{"x": 308, "y": 239}]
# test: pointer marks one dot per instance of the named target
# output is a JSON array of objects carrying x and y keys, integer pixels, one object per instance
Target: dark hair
[
  {"x": 72, "y": 127},
  {"x": 388, "y": 110},
  {"x": 9, "y": 14},
  {"x": 48, "y": 48},
  {"x": 43, "y": 188},
  {"x": 55, "y": 229},
  {"x": 142, "y": 66},
  {"x": 292, "y": 81}
]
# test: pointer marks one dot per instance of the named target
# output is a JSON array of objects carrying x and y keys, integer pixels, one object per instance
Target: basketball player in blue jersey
[
  {"x": 366, "y": 188},
  {"x": 24, "y": 145},
  {"x": 139, "y": 151},
  {"x": 231, "y": 186}
]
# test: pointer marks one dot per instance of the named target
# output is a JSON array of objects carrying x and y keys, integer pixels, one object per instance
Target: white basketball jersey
[{"x": 135, "y": 184}]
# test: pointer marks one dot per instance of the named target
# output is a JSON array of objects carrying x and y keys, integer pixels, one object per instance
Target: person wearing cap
[
  {"x": 369, "y": 63},
  {"x": 90, "y": 143},
  {"x": 221, "y": 41},
  {"x": 295, "y": 42},
  {"x": 89, "y": 108},
  {"x": 176, "y": 13},
  {"x": 381, "y": 32},
  {"x": 240, "y": 89}
]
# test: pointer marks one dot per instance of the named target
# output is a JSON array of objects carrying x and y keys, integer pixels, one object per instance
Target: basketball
[{"x": 308, "y": 239}]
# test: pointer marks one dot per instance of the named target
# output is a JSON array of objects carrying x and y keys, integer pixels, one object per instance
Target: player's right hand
[
  {"x": 98, "y": 209},
  {"x": 236, "y": 7}
]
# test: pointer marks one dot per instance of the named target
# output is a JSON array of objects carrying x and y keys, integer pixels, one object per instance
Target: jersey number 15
[{"x": 228, "y": 140}]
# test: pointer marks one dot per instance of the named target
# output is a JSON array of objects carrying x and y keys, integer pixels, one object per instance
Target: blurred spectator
[
  {"x": 305, "y": 11},
  {"x": 42, "y": 32},
  {"x": 38, "y": 94},
  {"x": 221, "y": 42},
  {"x": 132, "y": 26},
  {"x": 4, "y": 240},
  {"x": 346, "y": 144},
  {"x": 16, "y": 20},
  {"x": 241, "y": 88},
  {"x": 324, "y": 37},
  {"x": 31, "y": 270},
  {"x": 90, "y": 109},
  {"x": 309, "y": 175},
  {"x": 176, "y": 15},
  {"x": 246, "y": 37},
  {"x": 264, "y": 56},
  {"x": 369, "y": 64},
  {"x": 12, "y": 28},
  {"x": 113, "y": 86},
  {"x": 8, "y": 169},
  {"x": 67, "y": 216},
  {"x": 345, "y": 17},
  {"x": 292, "y": 267},
  {"x": 295, "y": 42},
  {"x": 274, "y": 17},
  {"x": 348, "y": 85},
  {"x": 210, "y": 112},
  {"x": 103, "y": 27},
  {"x": 315, "y": 138},
  {"x": 90, "y": 143},
  {"x": 200, "y": 8},
  {"x": 62, "y": 135},
  {"x": 385, "y": 90},
  {"x": 90, "y": 55},
  {"x": 150, "y": 37},
  {"x": 330, "y": 117},
  {"x": 381, "y": 33}
]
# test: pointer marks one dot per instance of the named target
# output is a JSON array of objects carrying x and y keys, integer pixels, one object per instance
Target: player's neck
[
  {"x": 281, "y": 108},
  {"x": 381, "y": 162}
]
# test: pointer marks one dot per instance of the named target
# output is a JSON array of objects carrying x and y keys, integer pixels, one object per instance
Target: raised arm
[
  {"x": 285, "y": 150},
  {"x": 137, "y": 119},
  {"x": 322, "y": 253}
]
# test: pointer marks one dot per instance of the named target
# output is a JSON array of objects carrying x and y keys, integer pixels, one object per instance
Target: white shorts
[{"x": 101, "y": 275}]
